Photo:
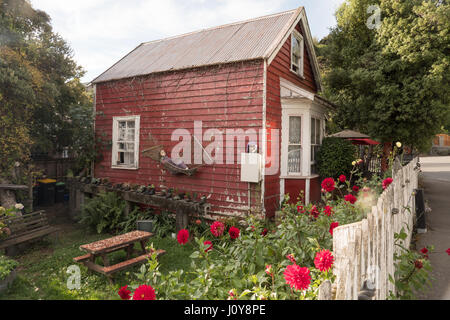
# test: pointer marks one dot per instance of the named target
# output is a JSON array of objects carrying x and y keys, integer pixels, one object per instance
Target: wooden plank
[
  {"x": 128, "y": 263},
  {"x": 13, "y": 187},
  {"x": 27, "y": 237},
  {"x": 116, "y": 242},
  {"x": 82, "y": 258}
]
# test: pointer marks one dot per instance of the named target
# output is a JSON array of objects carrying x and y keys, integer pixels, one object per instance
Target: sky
[{"x": 101, "y": 32}]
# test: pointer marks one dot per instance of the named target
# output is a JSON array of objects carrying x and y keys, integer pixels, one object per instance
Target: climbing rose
[
  {"x": 350, "y": 198},
  {"x": 332, "y": 226},
  {"x": 387, "y": 182},
  {"x": 144, "y": 292},
  {"x": 328, "y": 211},
  {"x": 342, "y": 178},
  {"x": 217, "y": 228},
  {"x": 234, "y": 232},
  {"x": 124, "y": 293},
  {"x": 314, "y": 212},
  {"x": 323, "y": 260},
  {"x": 355, "y": 188},
  {"x": 328, "y": 184},
  {"x": 297, "y": 277},
  {"x": 418, "y": 264},
  {"x": 183, "y": 236},
  {"x": 207, "y": 242}
]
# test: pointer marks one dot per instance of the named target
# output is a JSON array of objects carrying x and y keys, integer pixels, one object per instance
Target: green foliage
[
  {"x": 104, "y": 213},
  {"x": 412, "y": 271},
  {"x": 40, "y": 88},
  {"x": 6, "y": 266},
  {"x": 165, "y": 224},
  {"x": 335, "y": 157},
  {"x": 129, "y": 222},
  {"x": 388, "y": 81}
]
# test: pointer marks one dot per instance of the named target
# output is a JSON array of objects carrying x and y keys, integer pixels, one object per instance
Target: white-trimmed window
[
  {"x": 315, "y": 142},
  {"x": 294, "y": 158},
  {"x": 297, "y": 49},
  {"x": 125, "y": 148}
]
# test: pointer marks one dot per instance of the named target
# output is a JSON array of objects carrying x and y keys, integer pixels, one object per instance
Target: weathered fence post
[{"x": 325, "y": 291}]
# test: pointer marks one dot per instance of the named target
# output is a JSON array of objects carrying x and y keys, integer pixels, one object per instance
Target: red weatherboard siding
[
  {"x": 227, "y": 96},
  {"x": 280, "y": 67}
]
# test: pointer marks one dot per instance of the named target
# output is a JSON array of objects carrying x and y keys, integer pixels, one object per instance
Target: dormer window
[{"x": 297, "y": 53}]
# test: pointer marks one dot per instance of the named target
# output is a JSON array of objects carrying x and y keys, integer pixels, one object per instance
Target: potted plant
[
  {"x": 151, "y": 190},
  {"x": 7, "y": 272}
]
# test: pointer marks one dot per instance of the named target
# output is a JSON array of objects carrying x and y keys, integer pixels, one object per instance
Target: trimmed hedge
[{"x": 335, "y": 157}]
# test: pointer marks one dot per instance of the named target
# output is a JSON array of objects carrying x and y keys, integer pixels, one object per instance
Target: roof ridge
[{"x": 222, "y": 26}]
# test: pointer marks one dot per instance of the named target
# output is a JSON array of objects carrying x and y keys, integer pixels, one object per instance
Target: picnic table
[{"x": 125, "y": 242}]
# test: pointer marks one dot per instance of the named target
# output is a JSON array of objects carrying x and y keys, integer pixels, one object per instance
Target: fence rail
[{"x": 364, "y": 251}]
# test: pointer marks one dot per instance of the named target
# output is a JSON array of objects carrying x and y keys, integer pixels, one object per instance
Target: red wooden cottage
[{"x": 242, "y": 91}]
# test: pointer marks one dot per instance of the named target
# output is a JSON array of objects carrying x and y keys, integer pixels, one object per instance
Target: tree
[
  {"x": 390, "y": 82},
  {"x": 39, "y": 88}
]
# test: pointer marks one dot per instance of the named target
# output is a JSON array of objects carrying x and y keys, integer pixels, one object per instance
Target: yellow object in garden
[{"x": 46, "y": 181}]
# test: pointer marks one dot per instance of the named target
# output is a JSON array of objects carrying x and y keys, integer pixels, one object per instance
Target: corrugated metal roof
[{"x": 239, "y": 41}]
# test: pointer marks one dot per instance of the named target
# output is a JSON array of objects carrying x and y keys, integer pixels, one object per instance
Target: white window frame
[
  {"x": 115, "y": 148},
  {"x": 319, "y": 143},
  {"x": 300, "y": 63},
  {"x": 285, "y": 142}
]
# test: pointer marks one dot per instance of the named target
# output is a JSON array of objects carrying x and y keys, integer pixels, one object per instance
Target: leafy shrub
[
  {"x": 6, "y": 266},
  {"x": 103, "y": 213},
  {"x": 165, "y": 224},
  {"x": 129, "y": 223},
  {"x": 335, "y": 157}
]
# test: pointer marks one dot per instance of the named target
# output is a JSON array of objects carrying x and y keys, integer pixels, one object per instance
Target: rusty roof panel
[{"x": 240, "y": 41}]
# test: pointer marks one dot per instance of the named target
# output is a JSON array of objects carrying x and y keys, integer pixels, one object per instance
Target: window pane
[
  {"x": 313, "y": 131},
  {"x": 295, "y": 129},
  {"x": 122, "y": 124},
  {"x": 130, "y": 124},
  {"x": 294, "y": 153},
  {"x": 130, "y": 146},
  {"x": 317, "y": 131},
  {"x": 129, "y": 158},
  {"x": 130, "y": 134}
]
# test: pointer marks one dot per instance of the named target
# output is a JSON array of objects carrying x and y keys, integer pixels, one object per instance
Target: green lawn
[{"x": 42, "y": 273}]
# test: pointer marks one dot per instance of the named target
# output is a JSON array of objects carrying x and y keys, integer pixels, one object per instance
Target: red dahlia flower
[
  {"x": 124, "y": 293},
  {"x": 350, "y": 198},
  {"x": 424, "y": 250},
  {"x": 328, "y": 184},
  {"x": 328, "y": 211},
  {"x": 315, "y": 212},
  {"x": 323, "y": 260},
  {"x": 342, "y": 178},
  {"x": 217, "y": 228},
  {"x": 355, "y": 188},
  {"x": 264, "y": 232},
  {"x": 300, "y": 209},
  {"x": 448, "y": 251},
  {"x": 183, "y": 236},
  {"x": 207, "y": 242},
  {"x": 291, "y": 258},
  {"x": 234, "y": 232},
  {"x": 297, "y": 277},
  {"x": 269, "y": 270},
  {"x": 418, "y": 264},
  {"x": 332, "y": 226},
  {"x": 144, "y": 292},
  {"x": 387, "y": 182}
]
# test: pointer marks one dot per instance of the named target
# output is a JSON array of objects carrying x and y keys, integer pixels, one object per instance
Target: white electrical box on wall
[{"x": 251, "y": 164}]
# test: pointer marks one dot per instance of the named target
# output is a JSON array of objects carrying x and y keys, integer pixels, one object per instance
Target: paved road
[{"x": 435, "y": 179}]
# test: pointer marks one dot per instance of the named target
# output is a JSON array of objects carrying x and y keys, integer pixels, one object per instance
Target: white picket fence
[{"x": 365, "y": 250}]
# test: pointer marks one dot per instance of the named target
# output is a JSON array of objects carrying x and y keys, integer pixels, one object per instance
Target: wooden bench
[{"x": 25, "y": 228}]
